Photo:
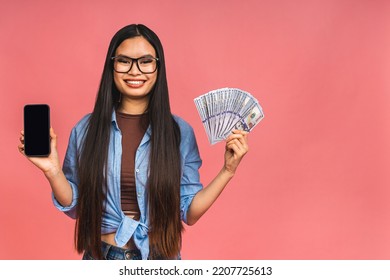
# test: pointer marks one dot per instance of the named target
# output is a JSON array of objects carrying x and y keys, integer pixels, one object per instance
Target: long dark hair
[{"x": 163, "y": 186}]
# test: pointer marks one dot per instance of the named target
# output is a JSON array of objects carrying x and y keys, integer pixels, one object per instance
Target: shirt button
[{"x": 137, "y": 170}]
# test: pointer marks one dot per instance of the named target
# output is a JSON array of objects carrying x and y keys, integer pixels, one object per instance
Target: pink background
[{"x": 315, "y": 183}]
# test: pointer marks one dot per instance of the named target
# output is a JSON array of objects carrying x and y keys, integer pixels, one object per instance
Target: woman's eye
[
  {"x": 123, "y": 60},
  {"x": 146, "y": 60}
]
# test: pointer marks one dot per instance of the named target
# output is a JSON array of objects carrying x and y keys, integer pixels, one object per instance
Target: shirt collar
[{"x": 113, "y": 120}]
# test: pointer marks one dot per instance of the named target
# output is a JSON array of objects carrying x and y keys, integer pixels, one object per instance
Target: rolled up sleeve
[
  {"x": 70, "y": 170},
  {"x": 190, "y": 180}
]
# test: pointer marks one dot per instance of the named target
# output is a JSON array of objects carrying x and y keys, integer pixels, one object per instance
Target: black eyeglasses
[{"x": 146, "y": 64}]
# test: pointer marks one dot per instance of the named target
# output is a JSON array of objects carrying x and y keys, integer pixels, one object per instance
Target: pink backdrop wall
[{"x": 315, "y": 184}]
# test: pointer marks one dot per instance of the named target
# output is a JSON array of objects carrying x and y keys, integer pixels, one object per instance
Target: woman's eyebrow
[{"x": 122, "y": 55}]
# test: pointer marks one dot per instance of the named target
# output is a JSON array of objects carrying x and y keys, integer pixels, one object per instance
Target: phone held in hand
[{"x": 37, "y": 130}]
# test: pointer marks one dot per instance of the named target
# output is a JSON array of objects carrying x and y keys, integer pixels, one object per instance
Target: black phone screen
[{"x": 37, "y": 130}]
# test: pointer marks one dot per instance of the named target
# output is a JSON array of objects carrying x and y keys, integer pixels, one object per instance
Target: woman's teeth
[{"x": 134, "y": 82}]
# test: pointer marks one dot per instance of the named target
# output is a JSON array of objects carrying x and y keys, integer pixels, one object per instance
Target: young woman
[{"x": 130, "y": 174}]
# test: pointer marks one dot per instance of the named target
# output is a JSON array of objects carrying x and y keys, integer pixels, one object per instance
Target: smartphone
[{"x": 37, "y": 130}]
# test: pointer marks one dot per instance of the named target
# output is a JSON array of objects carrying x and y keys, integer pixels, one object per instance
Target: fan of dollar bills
[{"x": 225, "y": 109}]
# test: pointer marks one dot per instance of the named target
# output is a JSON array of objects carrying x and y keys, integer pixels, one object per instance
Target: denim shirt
[{"x": 114, "y": 219}]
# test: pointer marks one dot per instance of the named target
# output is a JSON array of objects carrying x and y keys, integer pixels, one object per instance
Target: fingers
[
  {"x": 238, "y": 131},
  {"x": 21, "y": 138},
  {"x": 21, "y": 145},
  {"x": 237, "y": 142},
  {"x": 21, "y": 148},
  {"x": 240, "y": 135},
  {"x": 237, "y": 147}
]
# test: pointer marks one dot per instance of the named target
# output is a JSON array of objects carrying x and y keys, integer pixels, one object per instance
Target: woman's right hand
[{"x": 49, "y": 165}]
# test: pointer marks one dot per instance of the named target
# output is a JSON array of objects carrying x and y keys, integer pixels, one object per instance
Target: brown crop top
[{"x": 133, "y": 128}]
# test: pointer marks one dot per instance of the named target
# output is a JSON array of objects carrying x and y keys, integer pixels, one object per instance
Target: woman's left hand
[{"x": 235, "y": 149}]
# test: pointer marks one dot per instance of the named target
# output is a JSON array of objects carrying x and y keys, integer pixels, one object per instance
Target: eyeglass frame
[{"x": 136, "y": 60}]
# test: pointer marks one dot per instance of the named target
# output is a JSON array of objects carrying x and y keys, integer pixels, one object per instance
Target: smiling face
[{"x": 135, "y": 86}]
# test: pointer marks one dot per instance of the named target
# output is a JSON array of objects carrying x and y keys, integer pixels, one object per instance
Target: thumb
[{"x": 53, "y": 137}]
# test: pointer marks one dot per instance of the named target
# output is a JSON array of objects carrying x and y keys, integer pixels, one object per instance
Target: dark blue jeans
[{"x": 111, "y": 252}]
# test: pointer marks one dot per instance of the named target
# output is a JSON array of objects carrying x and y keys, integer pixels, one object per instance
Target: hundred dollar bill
[{"x": 223, "y": 110}]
